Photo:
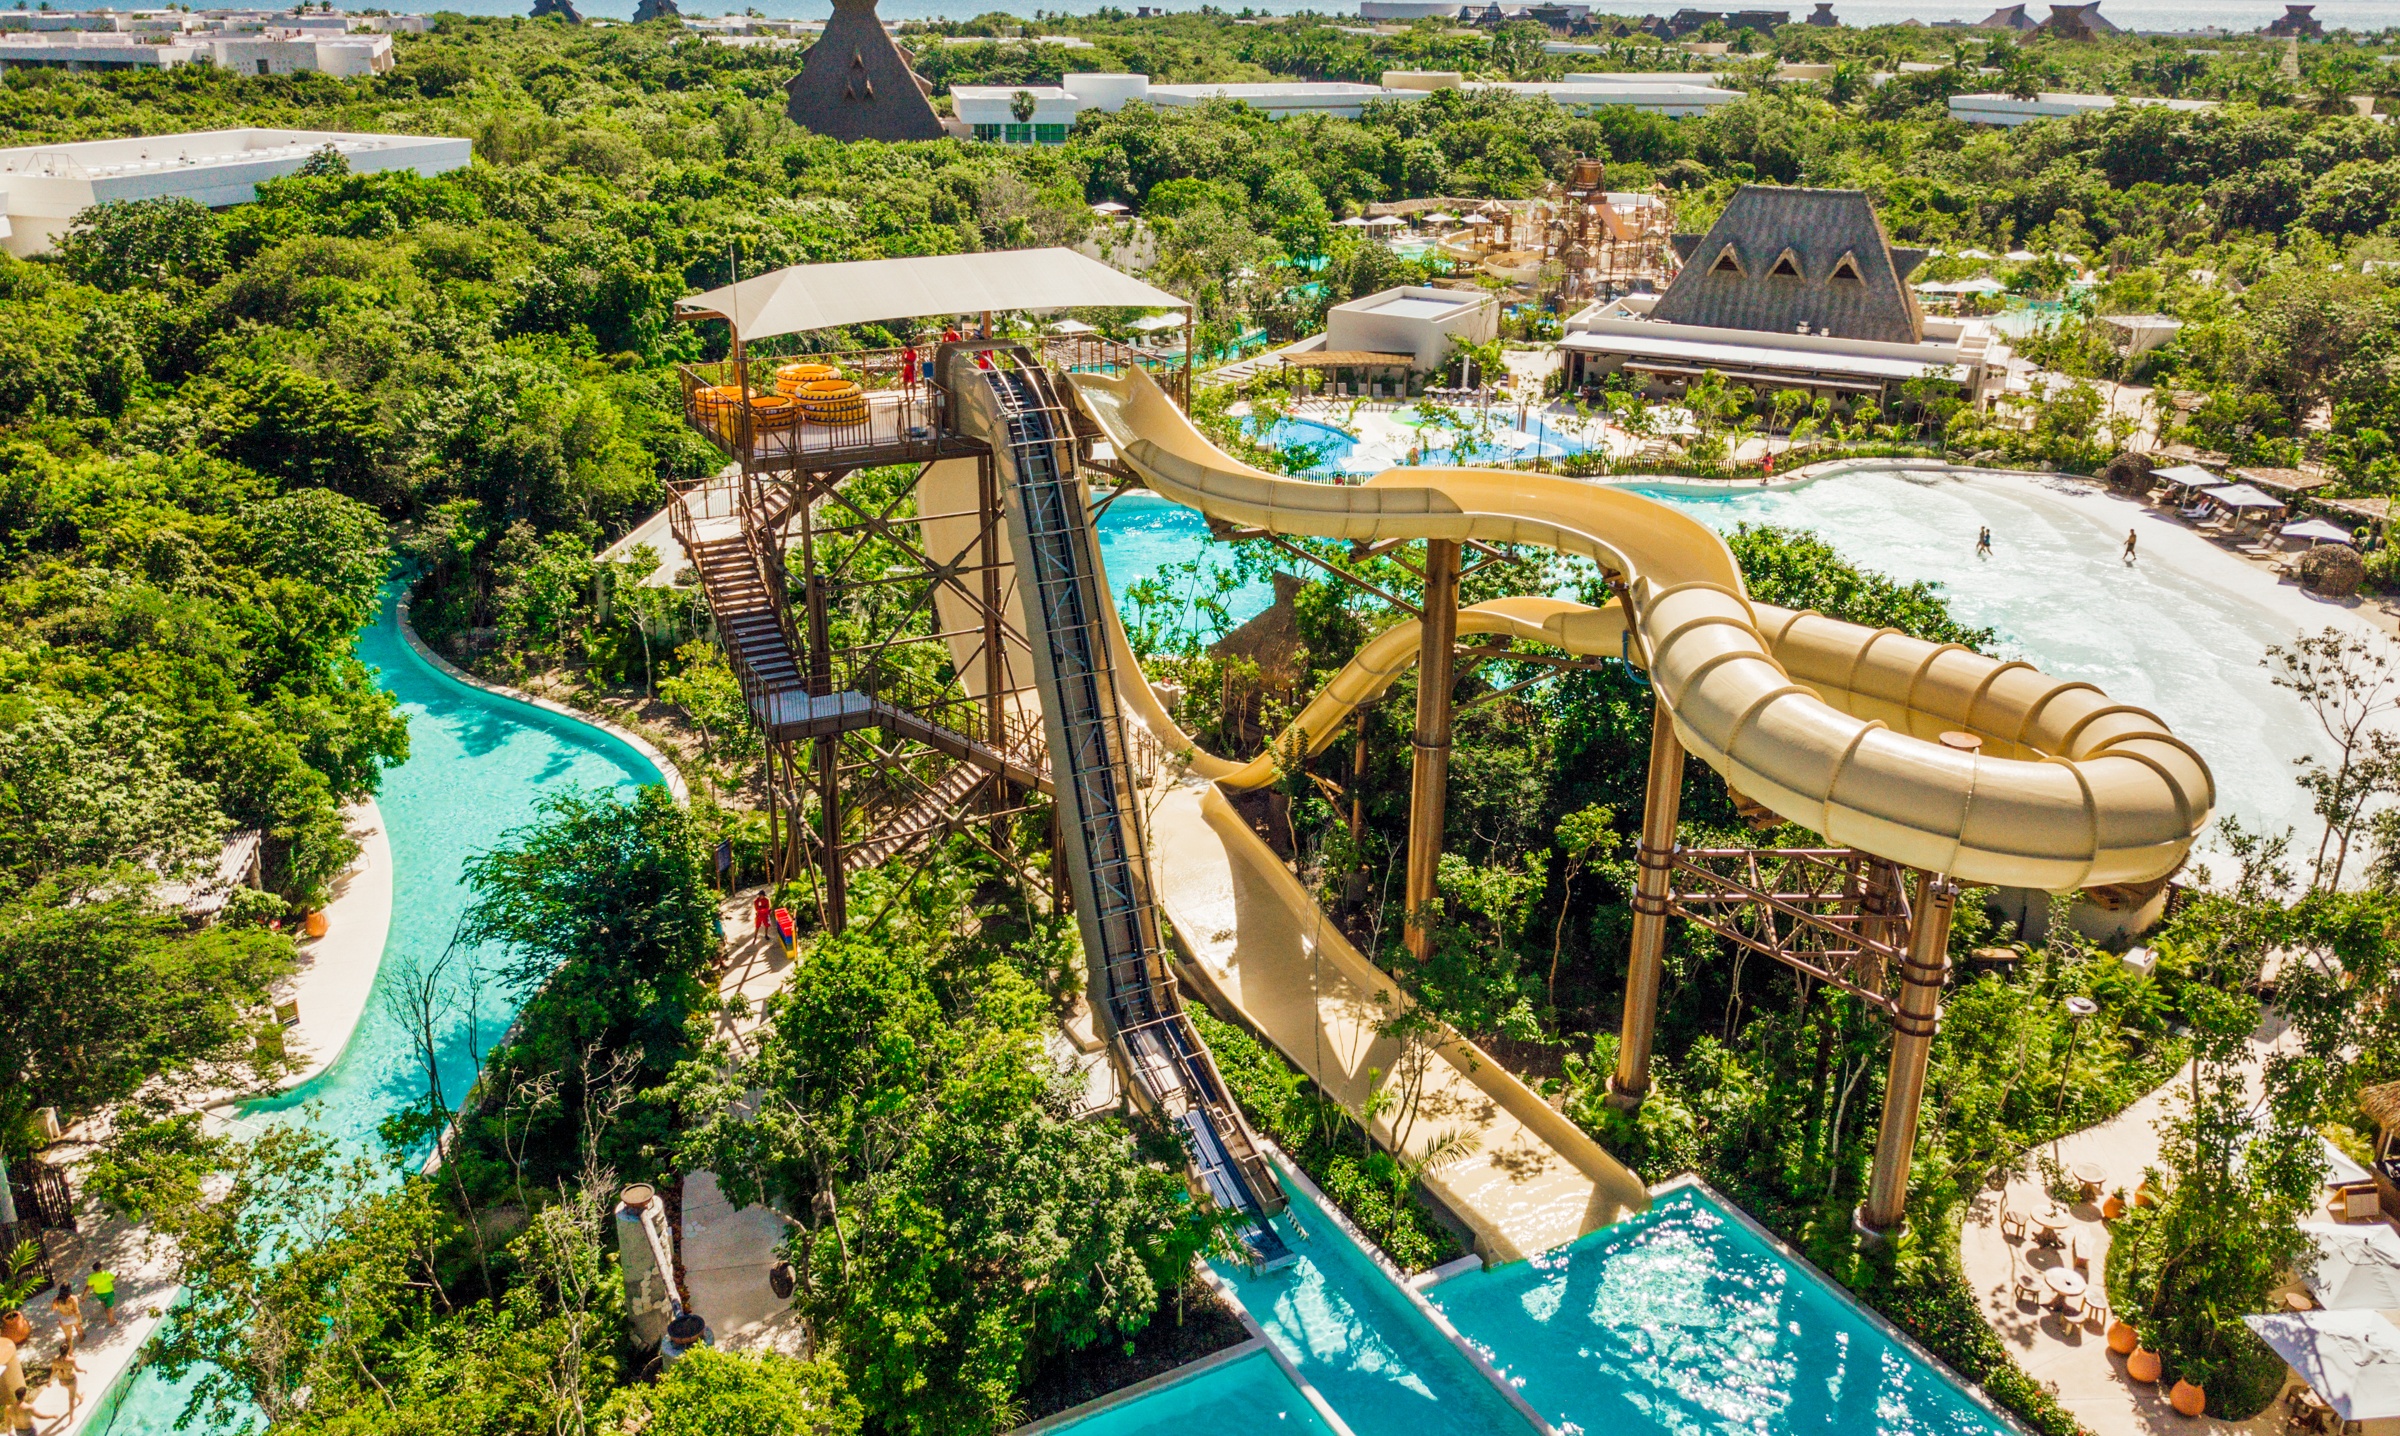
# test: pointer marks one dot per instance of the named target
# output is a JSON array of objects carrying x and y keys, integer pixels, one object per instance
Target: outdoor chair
[
  {"x": 2030, "y": 1286},
  {"x": 2358, "y": 1202},
  {"x": 2012, "y": 1224},
  {"x": 2080, "y": 1252}
]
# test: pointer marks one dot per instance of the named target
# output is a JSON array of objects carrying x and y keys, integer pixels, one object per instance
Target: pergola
[{"x": 1335, "y": 361}]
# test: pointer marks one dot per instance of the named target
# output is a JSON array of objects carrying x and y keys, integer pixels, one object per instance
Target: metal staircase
[{"x": 1170, "y": 1069}]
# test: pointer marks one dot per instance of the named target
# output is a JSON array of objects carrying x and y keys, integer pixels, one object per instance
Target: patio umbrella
[
  {"x": 1353, "y": 222},
  {"x": 1110, "y": 206},
  {"x": 1385, "y": 221},
  {"x": 1479, "y": 219},
  {"x": 2350, "y": 1358},
  {"x": 2355, "y": 1268},
  {"x": 2318, "y": 531}
]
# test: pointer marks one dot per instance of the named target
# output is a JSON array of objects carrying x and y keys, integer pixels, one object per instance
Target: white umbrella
[
  {"x": 1479, "y": 219},
  {"x": 1385, "y": 221},
  {"x": 1110, "y": 206},
  {"x": 1437, "y": 217},
  {"x": 1353, "y": 222},
  {"x": 1072, "y": 326},
  {"x": 2351, "y": 1358},
  {"x": 2318, "y": 530},
  {"x": 2356, "y": 1268}
]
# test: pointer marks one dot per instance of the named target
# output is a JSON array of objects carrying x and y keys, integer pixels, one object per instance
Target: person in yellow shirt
[{"x": 102, "y": 1284}]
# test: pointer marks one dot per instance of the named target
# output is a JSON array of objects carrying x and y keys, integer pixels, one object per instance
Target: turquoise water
[
  {"x": 1683, "y": 1320},
  {"x": 477, "y": 764},
  {"x": 1379, "y": 1364},
  {"x": 1244, "y": 1396},
  {"x": 1505, "y": 437},
  {"x": 1143, "y": 536},
  {"x": 1337, "y": 450}
]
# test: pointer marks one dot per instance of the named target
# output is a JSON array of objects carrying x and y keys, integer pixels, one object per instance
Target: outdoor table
[
  {"x": 2050, "y": 1227},
  {"x": 2065, "y": 1281},
  {"x": 2298, "y": 1301},
  {"x": 2093, "y": 1177}
]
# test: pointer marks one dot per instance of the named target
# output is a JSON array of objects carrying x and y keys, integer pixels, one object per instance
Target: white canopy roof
[
  {"x": 2351, "y": 1358},
  {"x": 2355, "y": 1268},
  {"x": 2187, "y": 474},
  {"x": 820, "y": 296},
  {"x": 2322, "y": 532},
  {"x": 2242, "y": 496}
]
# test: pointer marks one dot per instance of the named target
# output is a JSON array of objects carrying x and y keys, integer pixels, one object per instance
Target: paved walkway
[
  {"x": 2073, "y": 1357},
  {"x": 1530, "y": 1180},
  {"x": 335, "y": 978}
]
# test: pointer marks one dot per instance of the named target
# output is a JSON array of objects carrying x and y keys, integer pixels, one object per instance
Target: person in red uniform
[{"x": 760, "y": 910}]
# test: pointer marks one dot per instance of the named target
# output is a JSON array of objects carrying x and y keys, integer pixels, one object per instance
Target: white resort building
[
  {"x": 2008, "y": 112},
  {"x": 990, "y": 111},
  {"x": 1790, "y": 289},
  {"x": 43, "y": 187}
]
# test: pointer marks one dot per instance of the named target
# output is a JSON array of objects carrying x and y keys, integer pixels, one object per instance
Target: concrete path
[
  {"x": 337, "y": 971},
  {"x": 726, "y": 1257},
  {"x": 1529, "y": 1179}
]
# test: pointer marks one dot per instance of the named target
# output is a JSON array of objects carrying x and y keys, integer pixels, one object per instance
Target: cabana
[
  {"x": 2355, "y": 1268},
  {"x": 2350, "y": 1359},
  {"x": 2245, "y": 503},
  {"x": 2173, "y": 484}
]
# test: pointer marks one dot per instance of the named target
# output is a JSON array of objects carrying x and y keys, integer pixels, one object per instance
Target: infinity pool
[
  {"x": 477, "y": 765},
  {"x": 2183, "y": 630},
  {"x": 1684, "y": 1320},
  {"x": 1246, "y": 1395}
]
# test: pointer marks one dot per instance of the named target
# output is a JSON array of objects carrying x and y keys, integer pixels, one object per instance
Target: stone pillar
[
  {"x": 646, "y": 1257},
  {"x": 1922, "y": 973},
  {"x": 1654, "y": 860},
  {"x": 1429, "y": 765}
]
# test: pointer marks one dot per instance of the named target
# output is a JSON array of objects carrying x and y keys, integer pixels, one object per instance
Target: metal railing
[
  {"x": 1092, "y": 354},
  {"x": 876, "y": 413}
]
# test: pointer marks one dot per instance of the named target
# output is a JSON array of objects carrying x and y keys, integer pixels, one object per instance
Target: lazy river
[{"x": 478, "y": 765}]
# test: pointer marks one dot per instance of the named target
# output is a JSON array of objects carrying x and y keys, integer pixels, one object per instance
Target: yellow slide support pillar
[
  {"x": 1429, "y": 765},
  {"x": 1654, "y": 864},
  {"x": 1922, "y": 974}
]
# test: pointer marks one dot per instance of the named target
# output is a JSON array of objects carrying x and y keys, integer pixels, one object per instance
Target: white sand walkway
[{"x": 337, "y": 971}]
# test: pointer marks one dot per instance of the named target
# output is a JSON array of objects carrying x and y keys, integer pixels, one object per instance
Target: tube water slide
[
  {"x": 1012, "y": 405},
  {"x": 1834, "y": 726}
]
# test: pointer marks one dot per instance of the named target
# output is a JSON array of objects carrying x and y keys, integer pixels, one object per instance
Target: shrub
[{"x": 2332, "y": 569}]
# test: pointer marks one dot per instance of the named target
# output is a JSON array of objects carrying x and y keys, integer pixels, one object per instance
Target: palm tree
[{"x": 1021, "y": 106}]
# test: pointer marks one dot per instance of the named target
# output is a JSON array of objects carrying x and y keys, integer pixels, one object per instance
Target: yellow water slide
[{"x": 1832, "y": 725}]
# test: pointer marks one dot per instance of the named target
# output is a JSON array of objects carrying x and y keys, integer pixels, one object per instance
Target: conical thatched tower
[{"x": 854, "y": 84}]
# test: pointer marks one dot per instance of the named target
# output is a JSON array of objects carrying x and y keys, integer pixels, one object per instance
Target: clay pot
[
  {"x": 2145, "y": 1195},
  {"x": 2187, "y": 1399},
  {"x": 2142, "y": 1365},
  {"x": 318, "y": 923},
  {"x": 2122, "y": 1338},
  {"x": 2113, "y": 1208},
  {"x": 15, "y": 1327}
]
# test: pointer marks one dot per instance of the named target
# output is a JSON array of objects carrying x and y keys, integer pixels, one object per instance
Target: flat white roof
[
  {"x": 1755, "y": 356},
  {"x": 157, "y": 154},
  {"x": 1411, "y": 307}
]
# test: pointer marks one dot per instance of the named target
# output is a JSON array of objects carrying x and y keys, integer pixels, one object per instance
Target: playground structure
[
  {"x": 954, "y": 648},
  {"x": 1600, "y": 248}
]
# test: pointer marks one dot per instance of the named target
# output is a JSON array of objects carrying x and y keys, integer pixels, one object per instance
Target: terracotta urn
[
  {"x": 317, "y": 923},
  {"x": 2122, "y": 1338},
  {"x": 2142, "y": 1365},
  {"x": 2145, "y": 1195},
  {"x": 15, "y": 1327},
  {"x": 2113, "y": 1208},
  {"x": 2187, "y": 1399}
]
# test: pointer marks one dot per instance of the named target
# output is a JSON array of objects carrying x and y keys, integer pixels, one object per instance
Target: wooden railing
[{"x": 891, "y": 418}]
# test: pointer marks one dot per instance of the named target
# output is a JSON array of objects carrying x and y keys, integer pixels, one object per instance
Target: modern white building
[
  {"x": 1790, "y": 289},
  {"x": 989, "y": 111},
  {"x": 2008, "y": 112},
  {"x": 43, "y": 187},
  {"x": 1412, "y": 320},
  {"x": 269, "y": 52}
]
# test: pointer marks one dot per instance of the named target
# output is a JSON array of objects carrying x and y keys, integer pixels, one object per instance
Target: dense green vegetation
[{"x": 218, "y": 428}]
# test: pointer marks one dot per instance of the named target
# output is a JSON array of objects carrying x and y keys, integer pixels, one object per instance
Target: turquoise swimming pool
[
  {"x": 1354, "y": 1336},
  {"x": 1247, "y": 1394},
  {"x": 477, "y": 765},
  {"x": 1685, "y": 1320}
]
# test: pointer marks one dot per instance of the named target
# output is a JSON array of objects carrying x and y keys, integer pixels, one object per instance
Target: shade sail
[
  {"x": 2351, "y": 1358},
  {"x": 2354, "y": 1268},
  {"x": 867, "y": 291},
  {"x": 2187, "y": 475}
]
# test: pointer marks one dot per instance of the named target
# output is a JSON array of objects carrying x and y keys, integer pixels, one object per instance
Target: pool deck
[
  {"x": 1529, "y": 1180},
  {"x": 2073, "y": 1358}
]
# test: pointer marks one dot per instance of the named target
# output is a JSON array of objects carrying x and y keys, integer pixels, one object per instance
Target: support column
[
  {"x": 1922, "y": 974},
  {"x": 1654, "y": 861},
  {"x": 829, "y": 839},
  {"x": 1429, "y": 766}
]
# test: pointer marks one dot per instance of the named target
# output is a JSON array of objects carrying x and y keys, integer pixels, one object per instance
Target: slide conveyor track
[{"x": 1100, "y": 805}]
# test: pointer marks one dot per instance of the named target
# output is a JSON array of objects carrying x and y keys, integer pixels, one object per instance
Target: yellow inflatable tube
[{"x": 1832, "y": 725}]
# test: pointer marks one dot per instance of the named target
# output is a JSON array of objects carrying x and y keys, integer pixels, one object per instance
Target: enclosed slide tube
[{"x": 1831, "y": 725}]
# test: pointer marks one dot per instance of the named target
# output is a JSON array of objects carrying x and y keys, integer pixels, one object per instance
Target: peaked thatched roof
[
  {"x": 854, "y": 84},
  {"x": 1779, "y": 258}
]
